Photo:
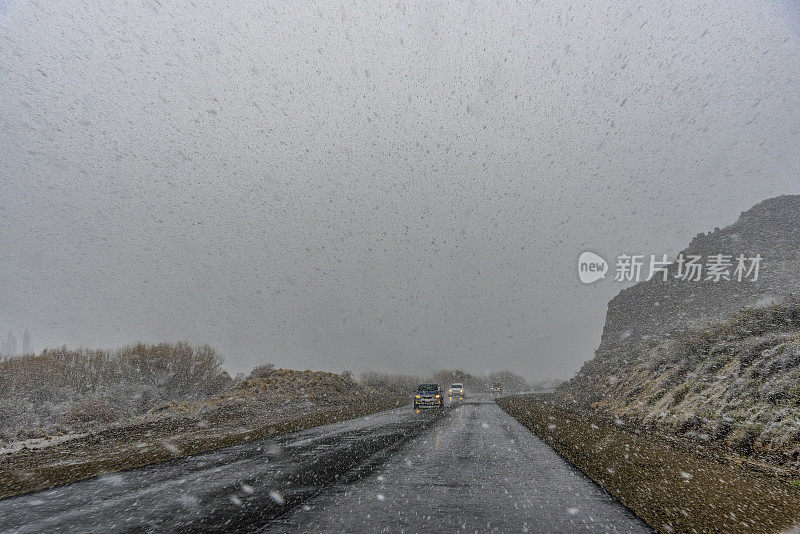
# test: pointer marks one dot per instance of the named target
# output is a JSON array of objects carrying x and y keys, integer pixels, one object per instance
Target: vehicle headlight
[{"x": 437, "y": 396}]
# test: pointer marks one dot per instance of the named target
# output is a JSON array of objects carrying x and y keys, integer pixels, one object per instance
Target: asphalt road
[{"x": 472, "y": 468}]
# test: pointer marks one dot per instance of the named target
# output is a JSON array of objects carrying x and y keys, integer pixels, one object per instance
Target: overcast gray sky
[{"x": 398, "y": 185}]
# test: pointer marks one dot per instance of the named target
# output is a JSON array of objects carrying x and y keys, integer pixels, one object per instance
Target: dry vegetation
[
  {"x": 734, "y": 384},
  {"x": 392, "y": 384},
  {"x": 93, "y": 412},
  {"x": 671, "y": 487},
  {"x": 62, "y": 390}
]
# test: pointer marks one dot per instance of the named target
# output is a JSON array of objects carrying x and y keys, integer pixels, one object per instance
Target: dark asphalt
[
  {"x": 472, "y": 468},
  {"x": 477, "y": 470}
]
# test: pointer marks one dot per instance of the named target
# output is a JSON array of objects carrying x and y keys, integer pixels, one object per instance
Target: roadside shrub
[
  {"x": 746, "y": 323},
  {"x": 55, "y": 385},
  {"x": 394, "y": 384},
  {"x": 691, "y": 423},
  {"x": 91, "y": 411},
  {"x": 743, "y": 438},
  {"x": 722, "y": 430},
  {"x": 680, "y": 394}
]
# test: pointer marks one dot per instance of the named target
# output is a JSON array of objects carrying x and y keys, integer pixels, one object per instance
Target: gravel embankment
[{"x": 672, "y": 489}]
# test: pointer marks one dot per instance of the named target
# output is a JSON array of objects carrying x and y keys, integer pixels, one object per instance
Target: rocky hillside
[
  {"x": 715, "y": 361},
  {"x": 736, "y": 382},
  {"x": 658, "y": 308}
]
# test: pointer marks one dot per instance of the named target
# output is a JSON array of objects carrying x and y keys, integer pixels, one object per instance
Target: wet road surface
[
  {"x": 235, "y": 489},
  {"x": 477, "y": 470},
  {"x": 472, "y": 468}
]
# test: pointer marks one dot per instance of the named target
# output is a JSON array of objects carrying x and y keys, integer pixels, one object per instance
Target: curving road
[{"x": 472, "y": 468}]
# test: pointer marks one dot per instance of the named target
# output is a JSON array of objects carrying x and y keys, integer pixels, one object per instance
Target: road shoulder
[
  {"x": 144, "y": 442},
  {"x": 672, "y": 489}
]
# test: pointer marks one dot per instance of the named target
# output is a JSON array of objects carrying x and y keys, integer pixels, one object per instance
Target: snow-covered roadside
[
  {"x": 38, "y": 443},
  {"x": 167, "y": 435}
]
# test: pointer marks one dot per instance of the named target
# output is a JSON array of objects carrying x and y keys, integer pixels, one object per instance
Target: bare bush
[
  {"x": 53, "y": 386},
  {"x": 445, "y": 377},
  {"x": 91, "y": 411},
  {"x": 391, "y": 384}
]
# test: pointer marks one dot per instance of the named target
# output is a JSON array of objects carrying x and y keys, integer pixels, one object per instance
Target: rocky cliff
[
  {"x": 658, "y": 308},
  {"x": 715, "y": 360}
]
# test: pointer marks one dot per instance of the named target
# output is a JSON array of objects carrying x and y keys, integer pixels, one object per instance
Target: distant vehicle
[
  {"x": 456, "y": 390},
  {"x": 428, "y": 395},
  {"x": 496, "y": 388}
]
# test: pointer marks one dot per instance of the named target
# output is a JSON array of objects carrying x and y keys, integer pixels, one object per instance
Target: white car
[{"x": 456, "y": 390}]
